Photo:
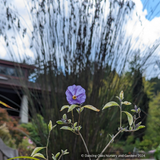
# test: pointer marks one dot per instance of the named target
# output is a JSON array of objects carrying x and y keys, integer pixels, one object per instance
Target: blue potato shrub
[{"x": 76, "y": 96}]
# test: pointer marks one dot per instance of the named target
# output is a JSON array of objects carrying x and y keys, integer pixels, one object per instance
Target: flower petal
[
  {"x": 79, "y": 90},
  {"x": 70, "y": 100},
  {"x": 69, "y": 94},
  {"x": 72, "y": 89},
  {"x": 81, "y": 98}
]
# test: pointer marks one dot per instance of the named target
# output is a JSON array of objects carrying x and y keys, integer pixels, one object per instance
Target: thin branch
[
  {"x": 60, "y": 156},
  {"x": 84, "y": 144},
  {"x": 108, "y": 144},
  {"x": 72, "y": 117},
  {"x": 79, "y": 116},
  {"x": 47, "y": 145}
]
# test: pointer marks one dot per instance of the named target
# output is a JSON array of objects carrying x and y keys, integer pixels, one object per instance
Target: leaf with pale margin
[
  {"x": 121, "y": 95},
  {"x": 39, "y": 155},
  {"x": 130, "y": 117},
  {"x": 72, "y": 107},
  {"x": 67, "y": 128},
  {"x": 54, "y": 126},
  {"x": 79, "y": 128},
  {"x": 60, "y": 122},
  {"x": 37, "y": 149},
  {"x": 24, "y": 157},
  {"x": 138, "y": 110},
  {"x": 65, "y": 153},
  {"x": 133, "y": 110},
  {"x": 53, "y": 157},
  {"x": 140, "y": 127},
  {"x": 110, "y": 104},
  {"x": 91, "y": 107},
  {"x": 64, "y": 107},
  {"x": 50, "y": 125},
  {"x": 118, "y": 98},
  {"x": 126, "y": 103},
  {"x": 139, "y": 124},
  {"x": 69, "y": 121},
  {"x": 64, "y": 117},
  {"x": 75, "y": 124}
]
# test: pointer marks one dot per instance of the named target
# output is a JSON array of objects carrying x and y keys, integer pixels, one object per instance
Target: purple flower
[{"x": 75, "y": 94}]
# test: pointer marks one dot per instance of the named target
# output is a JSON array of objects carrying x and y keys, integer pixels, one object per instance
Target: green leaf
[
  {"x": 66, "y": 153},
  {"x": 79, "y": 110},
  {"x": 138, "y": 110},
  {"x": 139, "y": 124},
  {"x": 130, "y": 117},
  {"x": 75, "y": 124},
  {"x": 37, "y": 149},
  {"x": 64, "y": 107},
  {"x": 64, "y": 117},
  {"x": 126, "y": 103},
  {"x": 91, "y": 107},
  {"x": 57, "y": 154},
  {"x": 60, "y": 122},
  {"x": 67, "y": 128},
  {"x": 133, "y": 110},
  {"x": 69, "y": 121},
  {"x": 79, "y": 128},
  {"x": 53, "y": 157},
  {"x": 140, "y": 127},
  {"x": 110, "y": 104},
  {"x": 121, "y": 95},
  {"x": 72, "y": 107},
  {"x": 39, "y": 155},
  {"x": 24, "y": 157},
  {"x": 50, "y": 125},
  {"x": 54, "y": 126},
  {"x": 118, "y": 98}
]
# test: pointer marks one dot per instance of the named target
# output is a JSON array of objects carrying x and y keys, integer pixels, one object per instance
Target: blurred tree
[
  {"x": 156, "y": 87},
  {"x": 151, "y": 140}
]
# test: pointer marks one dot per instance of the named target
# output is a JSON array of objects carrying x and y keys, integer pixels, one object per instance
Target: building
[{"x": 14, "y": 77}]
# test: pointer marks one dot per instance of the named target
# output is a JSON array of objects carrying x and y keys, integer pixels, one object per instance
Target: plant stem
[
  {"x": 79, "y": 116},
  {"x": 84, "y": 144},
  {"x": 108, "y": 144},
  {"x": 120, "y": 115},
  {"x": 60, "y": 156},
  {"x": 72, "y": 117},
  {"x": 47, "y": 145}
]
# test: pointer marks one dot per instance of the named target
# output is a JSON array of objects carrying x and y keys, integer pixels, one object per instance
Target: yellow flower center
[{"x": 74, "y": 97}]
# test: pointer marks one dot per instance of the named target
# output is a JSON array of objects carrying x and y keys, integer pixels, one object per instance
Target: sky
[
  {"x": 146, "y": 31},
  {"x": 152, "y": 7}
]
